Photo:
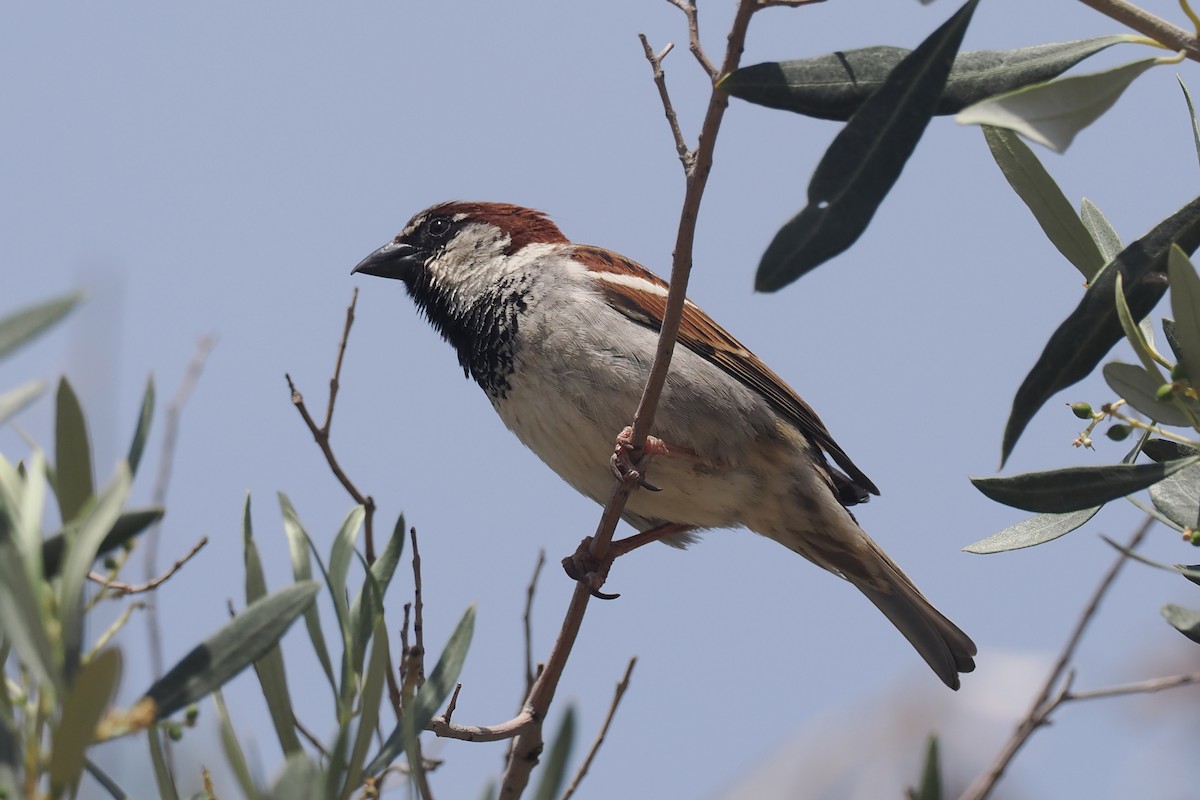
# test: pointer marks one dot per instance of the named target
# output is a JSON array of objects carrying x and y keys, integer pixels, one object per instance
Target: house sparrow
[{"x": 561, "y": 337}]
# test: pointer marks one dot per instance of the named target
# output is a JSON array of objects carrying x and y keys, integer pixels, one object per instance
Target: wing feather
[{"x": 642, "y": 296}]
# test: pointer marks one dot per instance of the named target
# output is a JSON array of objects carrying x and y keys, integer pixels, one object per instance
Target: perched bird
[{"x": 561, "y": 337}]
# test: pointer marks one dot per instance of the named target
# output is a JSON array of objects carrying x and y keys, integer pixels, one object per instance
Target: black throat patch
[{"x": 483, "y": 334}]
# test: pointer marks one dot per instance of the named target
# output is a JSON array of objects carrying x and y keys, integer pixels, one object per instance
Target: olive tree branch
[
  {"x": 622, "y": 685},
  {"x": 688, "y": 7},
  {"x": 685, "y": 154},
  {"x": 1170, "y": 36},
  {"x": 120, "y": 588},
  {"x": 1139, "y": 687},
  {"x": 527, "y": 746},
  {"x": 320, "y": 434},
  {"x": 1048, "y": 700}
]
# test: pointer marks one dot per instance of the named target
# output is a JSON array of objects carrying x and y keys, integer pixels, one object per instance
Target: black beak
[{"x": 394, "y": 260}]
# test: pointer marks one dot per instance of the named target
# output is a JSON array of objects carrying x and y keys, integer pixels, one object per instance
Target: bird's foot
[
  {"x": 629, "y": 462},
  {"x": 584, "y": 567},
  {"x": 593, "y": 572}
]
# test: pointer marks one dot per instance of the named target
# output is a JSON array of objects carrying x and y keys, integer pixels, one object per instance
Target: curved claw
[
  {"x": 585, "y": 569},
  {"x": 599, "y": 595}
]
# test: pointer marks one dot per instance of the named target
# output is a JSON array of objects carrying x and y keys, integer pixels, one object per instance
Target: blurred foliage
[
  {"x": 59, "y": 685},
  {"x": 886, "y": 96}
]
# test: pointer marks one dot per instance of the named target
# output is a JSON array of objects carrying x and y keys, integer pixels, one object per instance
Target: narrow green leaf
[
  {"x": 1050, "y": 207},
  {"x": 1185, "y": 306},
  {"x": 15, "y": 400},
  {"x": 1166, "y": 450},
  {"x": 432, "y": 694},
  {"x": 1139, "y": 388},
  {"x": 1033, "y": 531},
  {"x": 1178, "y": 497},
  {"x": 1075, "y": 488},
  {"x": 864, "y": 161},
  {"x": 299, "y": 780},
  {"x": 162, "y": 773},
  {"x": 27, "y": 519},
  {"x": 142, "y": 431},
  {"x": 18, "y": 328},
  {"x": 1102, "y": 232},
  {"x": 256, "y": 581},
  {"x": 235, "y": 756},
  {"x": 298, "y": 546},
  {"x": 1187, "y": 96},
  {"x": 375, "y": 585},
  {"x": 1086, "y": 336},
  {"x": 269, "y": 669},
  {"x": 75, "y": 731},
  {"x": 340, "y": 556},
  {"x": 834, "y": 86},
  {"x": 131, "y": 523},
  {"x": 554, "y": 774},
  {"x": 23, "y": 620},
  {"x": 96, "y": 521},
  {"x": 335, "y": 774},
  {"x": 368, "y": 606},
  {"x": 1051, "y": 114},
  {"x": 1172, "y": 338},
  {"x": 73, "y": 454},
  {"x": 412, "y": 751},
  {"x": 372, "y": 696},
  {"x": 1131, "y": 328},
  {"x": 231, "y": 649},
  {"x": 1183, "y": 620},
  {"x": 930, "y": 787}
]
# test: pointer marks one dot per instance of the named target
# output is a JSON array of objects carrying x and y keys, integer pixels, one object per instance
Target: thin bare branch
[
  {"x": 1140, "y": 687},
  {"x": 685, "y": 155},
  {"x": 418, "y": 651},
  {"x": 689, "y": 9},
  {"x": 320, "y": 435},
  {"x": 529, "y": 593},
  {"x": 151, "y": 538},
  {"x": 453, "y": 704},
  {"x": 1170, "y": 36},
  {"x": 312, "y": 738},
  {"x": 170, "y": 436},
  {"x": 414, "y": 659},
  {"x": 443, "y": 728},
  {"x": 528, "y": 745},
  {"x": 622, "y": 685},
  {"x": 335, "y": 381},
  {"x": 788, "y": 3},
  {"x": 120, "y": 588},
  {"x": 1047, "y": 701}
]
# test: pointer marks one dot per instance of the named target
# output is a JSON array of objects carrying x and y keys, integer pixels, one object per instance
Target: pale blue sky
[{"x": 221, "y": 168}]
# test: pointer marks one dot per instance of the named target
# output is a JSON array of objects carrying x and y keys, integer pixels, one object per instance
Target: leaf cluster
[{"x": 56, "y": 701}]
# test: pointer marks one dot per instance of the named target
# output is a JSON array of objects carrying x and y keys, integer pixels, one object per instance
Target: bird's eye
[{"x": 439, "y": 227}]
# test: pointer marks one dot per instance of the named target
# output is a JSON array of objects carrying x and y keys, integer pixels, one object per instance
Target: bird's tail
[{"x": 940, "y": 642}]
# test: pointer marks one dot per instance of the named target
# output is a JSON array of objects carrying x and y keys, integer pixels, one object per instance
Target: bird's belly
[{"x": 574, "y": 435}]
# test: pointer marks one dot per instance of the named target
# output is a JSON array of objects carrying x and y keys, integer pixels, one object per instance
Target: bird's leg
[{"x": 583, "y": 566}]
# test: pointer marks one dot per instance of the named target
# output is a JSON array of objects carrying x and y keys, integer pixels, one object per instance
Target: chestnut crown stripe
[
  {"x": 619, "y": 280},
  {"x": 523, "y": 225}
]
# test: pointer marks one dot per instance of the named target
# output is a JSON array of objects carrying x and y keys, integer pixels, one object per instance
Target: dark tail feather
[{"x": 940, "y": 642}]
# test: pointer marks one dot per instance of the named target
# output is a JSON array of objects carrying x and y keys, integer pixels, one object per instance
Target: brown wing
[{"x": 645, "y": 303}]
